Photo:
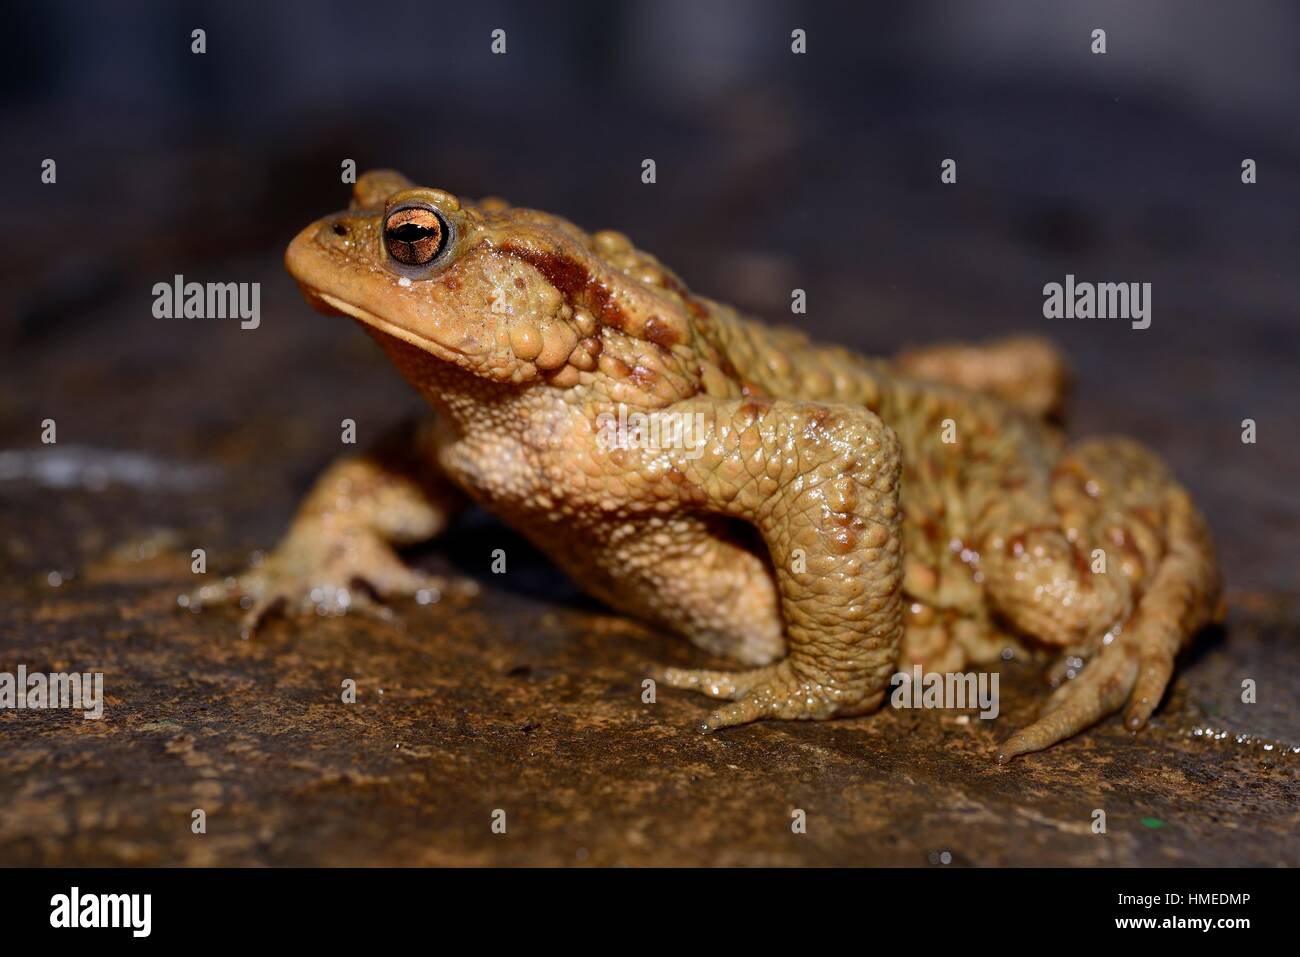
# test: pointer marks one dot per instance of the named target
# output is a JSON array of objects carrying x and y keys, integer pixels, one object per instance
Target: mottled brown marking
[
  {"x": 844, "y": 541},
  {"x": 615, "y": 366},
  {"x": 1147, "y": 515},
  {"x": 673, "y": 284},
  {"x": 610, "y": 312},
  {"x": 574, "y": 281},
  {"x": 697, "y": 309},
  {"x": 1082, "y": 569},
  {"x": 644, "y": 377},
  {"x": 1071, "y": 468},
  {"x": 660, "y": 332},
  {"x": 1016, "y": 543}
]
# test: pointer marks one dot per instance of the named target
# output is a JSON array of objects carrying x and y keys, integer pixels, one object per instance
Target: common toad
[{"x": 822, "y": 518}]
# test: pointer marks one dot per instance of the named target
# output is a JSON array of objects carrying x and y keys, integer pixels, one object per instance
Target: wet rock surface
[{"x": 528, "y": 699}]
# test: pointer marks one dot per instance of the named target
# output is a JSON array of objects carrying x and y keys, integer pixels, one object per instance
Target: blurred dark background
[{"x": 774, "y": 171}]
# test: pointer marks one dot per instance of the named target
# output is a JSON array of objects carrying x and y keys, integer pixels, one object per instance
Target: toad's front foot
[
  {"x": 773, "y": 691},
  {"x": 315, "y": 572}
]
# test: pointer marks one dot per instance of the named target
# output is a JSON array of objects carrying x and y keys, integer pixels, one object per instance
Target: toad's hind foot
[
  {"x": 773, "y": 691},
  {"x": 1099, "y": 692},
  {"x": 1135, "y": 668}
]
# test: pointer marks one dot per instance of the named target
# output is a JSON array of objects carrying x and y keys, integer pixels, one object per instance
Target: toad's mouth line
[{"x": 383, "y": 325}]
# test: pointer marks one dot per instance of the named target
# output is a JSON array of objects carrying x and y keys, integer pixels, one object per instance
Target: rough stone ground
[{"x": 531, "y": 706}]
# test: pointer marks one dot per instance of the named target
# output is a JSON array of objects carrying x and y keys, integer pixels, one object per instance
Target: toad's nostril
[{"x": 340, "y": 229}]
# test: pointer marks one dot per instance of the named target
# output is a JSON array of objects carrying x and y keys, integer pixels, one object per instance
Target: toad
[{"x": 826, "y": 520}]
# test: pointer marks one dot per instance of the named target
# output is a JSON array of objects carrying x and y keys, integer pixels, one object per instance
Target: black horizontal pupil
[{"x": 410, "y": 232}]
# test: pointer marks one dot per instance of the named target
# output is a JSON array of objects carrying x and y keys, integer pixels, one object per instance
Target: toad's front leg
[
  {"x": 820, "y": 484},
  {"x": 345, "y": 534}
]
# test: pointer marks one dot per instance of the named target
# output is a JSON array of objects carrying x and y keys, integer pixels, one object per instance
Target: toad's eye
[{"x": 415, "y": 235}]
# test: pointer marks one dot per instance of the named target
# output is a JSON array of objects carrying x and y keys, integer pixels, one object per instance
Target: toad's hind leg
[
  {"x": 1112, "y": 496},
  {"x": 1027, "y": 371}
]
